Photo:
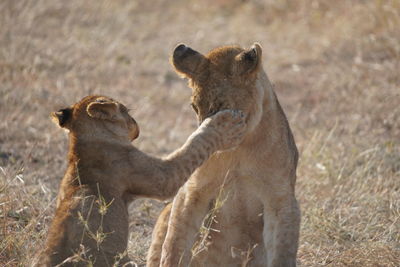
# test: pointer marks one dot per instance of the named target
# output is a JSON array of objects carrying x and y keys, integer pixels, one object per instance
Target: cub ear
[
  {"x": 102, "y": 110},
  {"x": 62, "y": 116},
  {"x": 250, "y": 59},
  {"x": 187, "y": 61}
]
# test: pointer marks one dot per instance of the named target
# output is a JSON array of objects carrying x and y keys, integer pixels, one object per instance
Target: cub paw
[{"x": 230, "y": 126}]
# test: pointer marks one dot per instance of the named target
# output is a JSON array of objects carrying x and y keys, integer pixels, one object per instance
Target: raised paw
[{"x": 231, "y": 127}]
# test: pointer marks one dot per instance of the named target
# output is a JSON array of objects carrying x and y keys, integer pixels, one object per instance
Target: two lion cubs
[
  {"x": 244, "y": 198},
  {"x": 105, "y": 172}
]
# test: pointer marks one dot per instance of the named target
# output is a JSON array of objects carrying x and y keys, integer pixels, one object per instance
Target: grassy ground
[{"x": 336, "y": 69}]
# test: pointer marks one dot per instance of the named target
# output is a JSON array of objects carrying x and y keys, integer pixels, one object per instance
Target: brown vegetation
[{"x": 335, "y": 65}]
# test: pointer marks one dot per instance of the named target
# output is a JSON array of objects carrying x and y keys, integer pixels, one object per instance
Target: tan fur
[
  {"x": 105, "y": 172},
  {"x": 256, "y": 221}
]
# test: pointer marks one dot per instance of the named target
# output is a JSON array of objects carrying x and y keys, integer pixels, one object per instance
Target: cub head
[
  {"x": 97, "y": 116},
  {"x": 225, "y": 78}
]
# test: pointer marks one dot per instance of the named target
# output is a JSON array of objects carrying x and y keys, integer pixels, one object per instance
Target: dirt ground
[{"x": 335, "y": 65}]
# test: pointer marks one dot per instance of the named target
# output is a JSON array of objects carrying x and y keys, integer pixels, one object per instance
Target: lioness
[
  {"x": 245, "y": 197},
  {"x": 105, "y": 172}
]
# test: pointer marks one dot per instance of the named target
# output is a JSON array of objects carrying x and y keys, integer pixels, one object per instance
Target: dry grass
[{"x": 336, "y": 69}]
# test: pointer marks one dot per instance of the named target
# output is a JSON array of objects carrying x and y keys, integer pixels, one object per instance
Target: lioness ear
[
  {"x": 187, "y": 61},
  {"x": 62, "y": 116},
  {"x": 249, "y": 59},
  {"x": 102, "y": 110}
]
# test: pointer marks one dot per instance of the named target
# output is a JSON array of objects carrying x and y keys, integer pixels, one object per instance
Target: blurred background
[{"x": 335, "y": 66}]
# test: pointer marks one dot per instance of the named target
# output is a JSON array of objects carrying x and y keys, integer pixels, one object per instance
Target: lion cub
[
  {"x": 105, "y": 172},
  {"x": 244, "y": 198}
]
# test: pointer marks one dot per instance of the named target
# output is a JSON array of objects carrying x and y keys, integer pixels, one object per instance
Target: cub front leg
[
  {"x": 161, "y": 178},
  {"x": 222, "y": 131},
  {"x": 281, "y": 231},
  {"x": 158, "y": 237},
  {"x": 188, "y": 211}
]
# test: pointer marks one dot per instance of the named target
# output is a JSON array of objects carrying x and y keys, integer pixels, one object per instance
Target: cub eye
[{"x": 194, "y": 108}]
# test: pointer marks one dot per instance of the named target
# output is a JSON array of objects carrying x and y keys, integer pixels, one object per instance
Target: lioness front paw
[{"x": 230, "y": 126}]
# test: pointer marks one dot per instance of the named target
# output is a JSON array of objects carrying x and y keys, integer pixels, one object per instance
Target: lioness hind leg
[
  {"x": 158, "y": 237},
  {"x": 281, "y": 233}
]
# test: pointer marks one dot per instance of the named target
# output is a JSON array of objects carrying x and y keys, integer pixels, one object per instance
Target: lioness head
[
  {"x": 98, "y": 115},
  {"x": 225, "y": 78}
]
